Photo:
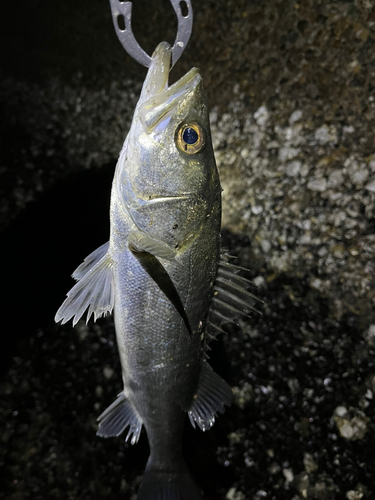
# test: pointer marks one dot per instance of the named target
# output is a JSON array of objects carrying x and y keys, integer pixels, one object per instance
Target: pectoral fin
[
  {"x": 90, "y": 261},
  {"x": 142, "y": 242},
  {"x": 94, "y": 290}
]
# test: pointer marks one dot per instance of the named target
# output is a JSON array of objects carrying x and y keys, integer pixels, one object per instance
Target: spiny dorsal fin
[
  {"x": 94, "y": 291},
  {"x": 231, "y": 298},
  {"x": 212, "y": 394},
  {"x": 119, "y": 415}
]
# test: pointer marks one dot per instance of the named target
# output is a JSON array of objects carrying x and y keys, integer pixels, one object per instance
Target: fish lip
[
  {"x": 189, "y": 81},
  {"x": 160, "y": 107}
]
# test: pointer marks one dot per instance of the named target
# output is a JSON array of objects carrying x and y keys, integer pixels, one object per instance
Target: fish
[{"x": 165, "y": 278}]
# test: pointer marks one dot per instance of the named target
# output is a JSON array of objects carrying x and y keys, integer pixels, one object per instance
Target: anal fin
[
  {"x": 212, "y": 394},
  {"x": 119, "y": 415}
]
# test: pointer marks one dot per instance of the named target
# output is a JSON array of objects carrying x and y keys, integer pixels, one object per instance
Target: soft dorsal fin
[
  {"x": 211, "y": 396},
  {"x": 119, "y": 415},
  {"x": 94, "y": 290},
  {"x": 231, "y": 298}
]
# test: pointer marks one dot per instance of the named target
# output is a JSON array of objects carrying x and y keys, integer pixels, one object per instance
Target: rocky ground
[{"x": 291, "y": 90}]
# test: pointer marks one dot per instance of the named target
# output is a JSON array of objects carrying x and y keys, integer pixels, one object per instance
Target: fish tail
[{"x": 168, "y": 485}]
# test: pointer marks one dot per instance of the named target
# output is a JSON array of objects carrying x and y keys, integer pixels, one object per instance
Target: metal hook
[{"x": 130, "y": 44}]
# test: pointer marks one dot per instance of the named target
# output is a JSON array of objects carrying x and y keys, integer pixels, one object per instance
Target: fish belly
[{"x": 160, "y": 359}]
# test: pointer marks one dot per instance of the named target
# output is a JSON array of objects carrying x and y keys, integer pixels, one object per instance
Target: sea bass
[{"x": 162, "y": 275}]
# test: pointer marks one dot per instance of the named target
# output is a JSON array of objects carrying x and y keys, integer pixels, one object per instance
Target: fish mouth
[{"x": 158, "y": 101}]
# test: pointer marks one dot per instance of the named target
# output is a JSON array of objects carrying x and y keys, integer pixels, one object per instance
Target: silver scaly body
[
  {"x": 174, "y": 198},
  {"x": 158, "y": 274}
]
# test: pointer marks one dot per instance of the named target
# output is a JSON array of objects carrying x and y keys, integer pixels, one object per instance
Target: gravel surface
[{"x": 291, "y": 90}]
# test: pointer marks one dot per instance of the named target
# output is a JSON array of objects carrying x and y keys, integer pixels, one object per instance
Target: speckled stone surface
[{"x": 291, "y": 89}]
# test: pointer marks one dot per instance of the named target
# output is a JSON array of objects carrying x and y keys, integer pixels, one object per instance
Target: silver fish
[{"x": 163, "y": 276}]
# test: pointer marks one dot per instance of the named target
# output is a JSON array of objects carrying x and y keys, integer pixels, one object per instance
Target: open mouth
[{"x": 156, "y": 112}]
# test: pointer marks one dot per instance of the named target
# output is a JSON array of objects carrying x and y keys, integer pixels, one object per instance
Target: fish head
[{"x": 167, "y": 178}]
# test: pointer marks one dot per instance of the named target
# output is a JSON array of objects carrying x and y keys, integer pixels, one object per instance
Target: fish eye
[{"x": 190, "y": 138}]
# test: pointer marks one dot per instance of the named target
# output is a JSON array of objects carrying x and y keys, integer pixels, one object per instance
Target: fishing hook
[{"x": 124, "y": 10}]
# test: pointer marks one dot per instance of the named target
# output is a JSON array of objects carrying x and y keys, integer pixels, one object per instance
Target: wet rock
[
  {"x": 336, "y": 179},
  {"x": 257, "y": 209},
  {"x": 243, "y": 395},
  {"x": 233, "y": 494},
  {"x": 295, "y": 116},
  {"x": 293, "y": 168},
  {"x": 359, "y": 176},
  {"x": 370, "y": 335},
  {"x": 261, "y": 116},
  {"x": 371, "y": 186},
  {"x": 319, "y": 185},
  {"x": 309, "y": 463},
  {"x": 288, "y": 474},
  {"x": 357, "y": 494},
  {"x": 352, "y": 424},
  {"x": 259, "y": 281},
  {"x": 326, "y": 134},
  {"x": 288, "y": 153},
  {"x": 266, "y": 245},
  {"x": 108, "y": 372}
]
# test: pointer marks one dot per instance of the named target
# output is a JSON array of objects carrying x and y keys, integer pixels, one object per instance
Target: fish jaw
[
  {"x": 156, "y": 112},
  {"x": 156, "y": 80}
]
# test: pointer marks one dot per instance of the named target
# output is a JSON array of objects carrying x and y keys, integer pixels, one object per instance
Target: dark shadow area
[{"x": 44, "y": 245}]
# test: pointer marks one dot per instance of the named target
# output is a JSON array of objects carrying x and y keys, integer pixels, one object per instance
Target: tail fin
[{"x": 162, "y": 485}]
